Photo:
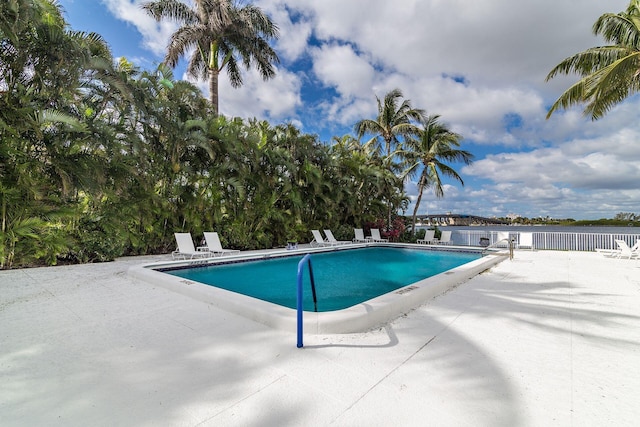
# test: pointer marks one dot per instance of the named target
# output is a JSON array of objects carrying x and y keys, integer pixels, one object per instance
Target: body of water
[
  {"x": 539, "y": 229},
  {"x": 548, "y": 236}
]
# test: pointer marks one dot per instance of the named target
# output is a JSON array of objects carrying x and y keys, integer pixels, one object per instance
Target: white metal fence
[{"x": 564, "y": 241}]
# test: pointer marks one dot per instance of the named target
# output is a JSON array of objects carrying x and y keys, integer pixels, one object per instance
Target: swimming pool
[
  {"x": 359, "y": 317},
  {"x": 342, "y": 279}
]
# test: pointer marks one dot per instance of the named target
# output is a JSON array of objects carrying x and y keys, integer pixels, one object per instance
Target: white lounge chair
[
  {"x": 608, "y": 252},
  {"x": 617, "y": 253},
  {"x": 359, "y": 236},
  {"x": 525, "y": 240},
  {"x": 626, "y": 251},
  {"x": 332, "y": 240},
  {"x": 375, "y": 236},
  {"x": 635, "y": 250},
  {"x": 318, "y": 240},
  {"x": 429, "y": 236},
  {"x": 186, "y": 249},
  {"x": 214, "y": 246},
  {"x": 445, "y": 238}
]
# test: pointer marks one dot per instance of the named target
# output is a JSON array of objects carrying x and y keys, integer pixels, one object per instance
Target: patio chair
[
  {"x": 611, "y": 253},
  {"x": 626, "y": 251},
  {"x": 318, "y": 240},
  {"x": 429, "y": 236},
  {"x": 635, "y": 250},
  {"x": 445, "y": 238},
  {"x": 375, "y": 236},
  {"x": 186, "y": 248},
  {"x": 332, "y": 240},
  {"x": 214, "y": 246},
  {"x": 525, "y": 240},
  {"x": 359, "y": 233}
]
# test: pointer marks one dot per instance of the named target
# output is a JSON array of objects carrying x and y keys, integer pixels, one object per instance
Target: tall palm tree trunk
[
  {"x": 415, "y": 209},
  {"x": 387, "y": 140},
  {"x": 213, "y": 91}
]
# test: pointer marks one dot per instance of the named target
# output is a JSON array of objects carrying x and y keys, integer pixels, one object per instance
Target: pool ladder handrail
[
  {"x": 305, "y": 259},
  {"x": 495, "y": 245}
]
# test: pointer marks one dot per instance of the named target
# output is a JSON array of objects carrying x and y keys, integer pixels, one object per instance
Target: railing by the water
[{"x": 563, "y": 241}]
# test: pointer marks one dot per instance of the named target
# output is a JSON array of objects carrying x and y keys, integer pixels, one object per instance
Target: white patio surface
[{"x": 549, "y": 338}]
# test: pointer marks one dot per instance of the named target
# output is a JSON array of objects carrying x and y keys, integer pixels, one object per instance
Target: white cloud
[
  {"x": 578, "y": 177},
  {"x": 576, "y": 163},
  {"x": 294, "y": 36},
  {"x": 155, "y": 35},
  {"x": 340, "y": 67},
  {"x": 275, "y": 99}
]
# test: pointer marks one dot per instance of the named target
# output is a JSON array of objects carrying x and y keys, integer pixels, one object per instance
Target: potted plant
[{"x": 292, "y": 240}]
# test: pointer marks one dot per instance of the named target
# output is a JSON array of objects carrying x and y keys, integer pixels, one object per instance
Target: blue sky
[{"x": 480, "y": 65}]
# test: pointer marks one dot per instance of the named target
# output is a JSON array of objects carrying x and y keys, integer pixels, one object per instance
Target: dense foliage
[{"x": 100, "y": 159}]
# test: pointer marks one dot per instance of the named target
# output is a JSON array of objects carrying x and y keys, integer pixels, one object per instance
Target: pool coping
[{"x": 358, "y": 318}]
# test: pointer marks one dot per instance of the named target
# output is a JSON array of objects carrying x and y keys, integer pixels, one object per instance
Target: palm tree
[
  {"x": 393, "y": 124},
  {"x": 435, "y": 146},
  {"x": 609, "y": 73},
  {"x": 221, "y": 34}
]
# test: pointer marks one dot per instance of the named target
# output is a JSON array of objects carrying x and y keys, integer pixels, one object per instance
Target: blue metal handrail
[{"x": 307, "y": 259}]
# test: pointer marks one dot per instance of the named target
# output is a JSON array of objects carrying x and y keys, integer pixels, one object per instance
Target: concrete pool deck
[{"x": 549, "y": 338}]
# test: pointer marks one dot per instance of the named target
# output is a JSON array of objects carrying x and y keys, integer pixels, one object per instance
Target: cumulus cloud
[
  {"x": 578, "y": 177},
  {"x": 575, "y": 162},
  {"x": 155, "y": 35},
  {"x": 276, "y": 99},
  {"x": 341, "y": 67},
  {"x": 294, "y": 33}
]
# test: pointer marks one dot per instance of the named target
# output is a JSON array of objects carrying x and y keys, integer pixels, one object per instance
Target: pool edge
[{"x": 358, "y": 318}]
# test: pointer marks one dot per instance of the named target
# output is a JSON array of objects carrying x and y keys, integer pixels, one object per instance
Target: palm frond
[
  {"x": 45, "y": 117},
  {"x": 609, "y": 73},
  {"x": 585, "y": 63},
  {"x": 618, "y": 29},
  {"x": 602, "y": 89},
  {"x": 171, "y": 9},
  {"x": 611, "y": 85}
]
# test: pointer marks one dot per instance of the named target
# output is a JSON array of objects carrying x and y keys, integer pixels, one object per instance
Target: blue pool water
[{"x": 343, "y": 278}]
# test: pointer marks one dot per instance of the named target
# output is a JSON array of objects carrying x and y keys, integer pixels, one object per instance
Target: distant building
[{"x": 513, "y": 216}]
